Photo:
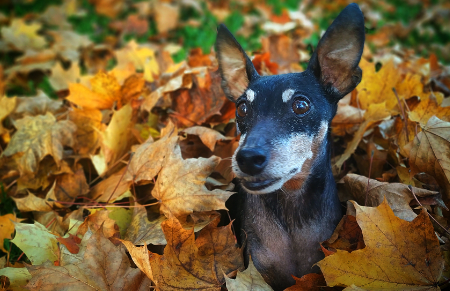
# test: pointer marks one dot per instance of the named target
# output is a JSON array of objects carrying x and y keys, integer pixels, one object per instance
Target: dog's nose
[{"x": 252, "y": 161}]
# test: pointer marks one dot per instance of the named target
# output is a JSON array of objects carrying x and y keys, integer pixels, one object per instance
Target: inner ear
[
  {"x": 235, "y": 67},
  {"x": 335, "y": 61}
]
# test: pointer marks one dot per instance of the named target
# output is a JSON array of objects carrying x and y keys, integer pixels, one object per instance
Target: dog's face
[{"x": 284, "y": 119}]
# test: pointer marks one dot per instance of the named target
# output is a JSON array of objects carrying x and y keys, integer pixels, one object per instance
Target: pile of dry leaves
[{"x": 118, "y": 181}]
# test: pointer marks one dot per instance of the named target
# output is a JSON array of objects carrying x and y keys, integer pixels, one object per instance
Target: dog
[{"x": 286, "y": 191}]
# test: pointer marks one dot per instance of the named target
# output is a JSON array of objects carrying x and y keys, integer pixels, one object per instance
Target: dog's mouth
[{"x": 260, "y": 184}]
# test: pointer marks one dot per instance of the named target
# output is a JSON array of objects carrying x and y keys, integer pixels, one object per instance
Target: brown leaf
[
  {"x": 37, "y": 105},
  {"x": 427, "y": 108},
  {"x": 180, "y": 187},
  {"x": 99, "y": 220},
  {"x": 347, "y": 236},
  {"x": 430, "y": 152},
  {"x": 69, "y": 186},
  {"x": 37, "y": 137},
  {"x": 397, "y": 195},
  {"x": 150, "y": 156},
  {"x": 309, "y": 282},
  {"x": 89, "y": 124},
  {"x": 71, "y": 243},
  {"x": 399, "y": 255},
  {"x": 250, "y": 279},
  {"x": 208, "y": 136},
  {"x": 188, "y": 263},
  {"x": 102, "y": 267},
  {"x": 166, "y": 16}
]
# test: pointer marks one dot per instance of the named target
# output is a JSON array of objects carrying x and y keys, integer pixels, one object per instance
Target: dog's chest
[{"x": 290, "y": 248}]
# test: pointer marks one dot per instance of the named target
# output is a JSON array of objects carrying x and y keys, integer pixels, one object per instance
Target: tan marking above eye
[{"x": 250, "y": 95}]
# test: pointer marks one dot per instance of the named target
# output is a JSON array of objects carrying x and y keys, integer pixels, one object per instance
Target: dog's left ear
[
  {"x": 335, "y": 61},
  {"x": 236, "y": 69}
]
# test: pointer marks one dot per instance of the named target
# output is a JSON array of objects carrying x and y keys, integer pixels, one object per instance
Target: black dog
[{"x": 288, "y": 195}]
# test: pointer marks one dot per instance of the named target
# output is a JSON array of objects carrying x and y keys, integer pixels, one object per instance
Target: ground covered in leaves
[{"x": 116, "y": 141}]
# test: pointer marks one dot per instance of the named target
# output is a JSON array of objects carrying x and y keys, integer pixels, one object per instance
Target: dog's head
[{"x": 284, "y": 119}]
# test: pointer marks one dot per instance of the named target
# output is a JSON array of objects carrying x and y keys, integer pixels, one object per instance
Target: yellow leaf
[
  {"x": 36, "y": 242},
  {"x": 399, "y": 255},
  {"x": 428, "y": 107},
  {"x": 37, "y": 137},
  {"x": 23, "y": 36},
  {"x": 142, "y": 58},
  {"x": 89, "y": 124},
  {"x": 7, "y": 228},
  {"x": 7, "y": 105},
  {"x": 117, "y": 136},
  {"x": 61, "y": 78},
  {"x": 105, "y": 91}
]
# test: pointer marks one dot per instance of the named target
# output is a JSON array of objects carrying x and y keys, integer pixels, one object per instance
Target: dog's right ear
[{"x": 235, "y": 67}]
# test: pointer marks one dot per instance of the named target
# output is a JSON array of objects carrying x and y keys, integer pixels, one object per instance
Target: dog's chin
[{"x": 262, "y": 186}]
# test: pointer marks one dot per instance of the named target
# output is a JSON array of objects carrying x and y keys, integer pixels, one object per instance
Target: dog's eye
[
  {"x": 242, "y": 109},
  {"x": 300, "y": 106}
]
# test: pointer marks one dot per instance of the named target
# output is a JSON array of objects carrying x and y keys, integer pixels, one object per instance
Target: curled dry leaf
[
  {"x": 399, "y": 255},
  {"x": 208, "y": 136},
  {"x": 398, "y": 195},
  {"x": 180, "y": 187},
  {"x": 102, "y": 267},
  {"x": 37, "y": 137},
  {"x": 188, "y": 263},
  {"x": 250, "y": 279},
  {"x": 347, "y": 236},
  {"x": 430, "y": 152}
]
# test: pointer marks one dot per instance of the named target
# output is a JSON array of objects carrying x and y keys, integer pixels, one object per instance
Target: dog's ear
[
  {"x": 335, "y": 61},
  {"x": 235, "y": 67}
]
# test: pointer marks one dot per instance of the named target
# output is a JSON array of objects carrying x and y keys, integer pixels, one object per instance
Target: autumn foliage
[{"x": 115, "y": 181}]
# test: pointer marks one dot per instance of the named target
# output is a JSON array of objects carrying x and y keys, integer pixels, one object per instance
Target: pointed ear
[
  {"x": 236, "y": 69},
  {"x": 335, "y": 61}
]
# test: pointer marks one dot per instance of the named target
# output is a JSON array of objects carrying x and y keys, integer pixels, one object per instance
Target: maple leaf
[
  {"x": 371, "y": 192},
  {"x": 166, "y": 16},
  {"x": 61, "y": 78},
  {"x": 99, "y": 221},
  {"x": 7, "y": 228},
  {"x": 399, "y": 255},
  {"x": 430, "y": 152},
  {"x": 141, "y": 57},
  {"x": 37, "y": 137},
  {"x": 188, "y": 263},
  {"x": 250, "y": 279},
  {"x": 103, "y": 266},
  {"x": 347, "y": 236},
  {"x": 18, "y": 277},
  {"x": 150, "y": 156},
  {"x": 208, "y": 136},
  {"x": 180, "y": 187},
  {"x": 36, "y": 242},
  {"x": 23, "y": 36},
  {"x": 105, "y": 91}
]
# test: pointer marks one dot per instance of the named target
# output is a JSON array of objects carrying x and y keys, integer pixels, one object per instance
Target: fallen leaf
[
  {"x": 166, "y": 16},
  {"x": 141, "y": 57},
  {"x": 37, "y": 105},
  {"x": 110, "y": 8},
  {"x": 22, "y": 36},
  {"x": 89, "y": 126},
  {"x": 399, "y": 255},
  {"x": 208, "y": 136},
  {"x": 71, "y": 243},
  {"x": 18, "y": 277},
  {"x": 68, "y": 187},
  {"x": 250, "y": 279},
  {"x": 102, "y": 267},
  {"x": 36, "y": 242},
  {"x": 61, "y": 78},
  {"x": 397, "y": 195},
  {"x": 430, "y": 152},
  {"x": 7, "y": 105},
  {"x": 105, "y": 91},
  {"x": 180, "y": 187},
  {"x": 37, "y": 137},
  {"x": 427, "y": 108},
  {"x": 309, "y": 282},
  {"x": 347, "y": 236},
  {"x": 188, "y": 263},
  {"x": 99, "y": 220},
  {"x": 375, "y": 113},
  {"x": 7, "y": 228}
]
